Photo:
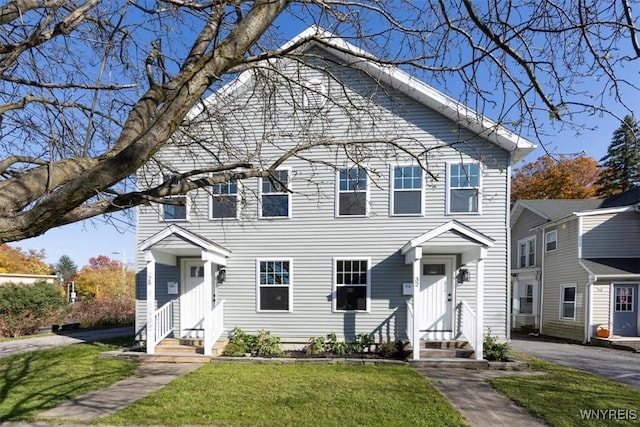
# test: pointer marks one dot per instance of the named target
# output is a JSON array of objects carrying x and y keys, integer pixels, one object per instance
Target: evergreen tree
[
  {"x": 621, "y": 165},
  {"x": 66, "y": 268}
]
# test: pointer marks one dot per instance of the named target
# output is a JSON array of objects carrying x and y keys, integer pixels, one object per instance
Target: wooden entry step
[{"x": 188, "y": 346}]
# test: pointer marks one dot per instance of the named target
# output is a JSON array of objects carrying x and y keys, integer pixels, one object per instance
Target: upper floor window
[
  {"x": 224, "y": 200},
  {"x": 464, "y": 188},
  {"x": 551, "y": 240},
  {"x": 352, "y": 192},
  {"x": 275, "y": 195},
  {"x": 352, "y": 284},
  {"x": 527, "y": 253},
  {"x": 274, "y": 285},
  {"x": 406, "y": 196},
  {"x": 177, "y": 208},
  {"x": 314, "y": 94}
]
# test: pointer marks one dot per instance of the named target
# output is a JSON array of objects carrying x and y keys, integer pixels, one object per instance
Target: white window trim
[
  {"x": 338, "y": 192},
  {"x": 334, "y": 285},
  {"x": 392, "y": 190},
  {"x": 575, "y": 301},
  {"x": 211, "y": 196},
  {"x": 187, "y": 217},
  {"x": 288, "y": 194},
  {"x": 320, "y": 91},
  {"x": 448, "y": 188},
  {"x": 258, "y": 286},
  {"x": 526, "y": 240},
  {"x": 546, "y": 239}
]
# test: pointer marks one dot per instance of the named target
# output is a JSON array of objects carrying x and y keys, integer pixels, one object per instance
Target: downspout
[
  {"x": 543, "y": 250},
  {"x": 588, "y": 313}
]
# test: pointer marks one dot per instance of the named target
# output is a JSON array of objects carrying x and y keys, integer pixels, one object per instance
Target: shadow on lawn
[{"x": 35, "y": 381}]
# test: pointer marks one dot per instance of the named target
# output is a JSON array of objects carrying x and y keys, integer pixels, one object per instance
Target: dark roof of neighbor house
[
  {"x": 612, "y": 266},
  {"x": 554, "y": 209},
  {"x": 630, "y": 197}
]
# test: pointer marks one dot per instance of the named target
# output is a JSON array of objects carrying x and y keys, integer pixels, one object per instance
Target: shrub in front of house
[
  {"x": 103, "y": 313},
  {"x": 25, "y": 309},
  {"x": 494, "y": 350}
]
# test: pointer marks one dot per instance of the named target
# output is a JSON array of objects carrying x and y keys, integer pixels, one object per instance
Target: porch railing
[
  {"x": 213, "y": 327},
  {"x": 410, "y": 321},
  {"x": 163, "y": 320},
  {"x": 467, "y": 323}
]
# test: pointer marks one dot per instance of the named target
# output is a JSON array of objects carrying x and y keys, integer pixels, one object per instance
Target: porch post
[
  {"x": 208, "y": 295},
  {"x": 478, "y": 345},
  {"x": 151, "y": 302},
  {"x": 417, "y": 302}
]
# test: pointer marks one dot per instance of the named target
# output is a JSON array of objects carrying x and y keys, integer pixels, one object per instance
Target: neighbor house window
[
  {"x": 526, "y": 302},
  {"x": 464, "y": 188},
  {"x": 274, "y": 285},
  {"x": 527, "y": 253},
  {"x": 406, "y": 196},
  {"x": 224, "y": 200},
  {"x": 352, "y": 192},
  {"x": 275, "y": 195},
  {"x": 568, "y": 302},
  {"x": 352, "y": 281},
  {"x": 551, "y": 240},
  {"x": 177, "y": 208}
]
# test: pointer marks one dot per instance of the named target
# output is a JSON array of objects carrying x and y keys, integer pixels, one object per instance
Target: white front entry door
[
  {"x": 192, "y": 299},
  {"x": 436, "y": 292}
]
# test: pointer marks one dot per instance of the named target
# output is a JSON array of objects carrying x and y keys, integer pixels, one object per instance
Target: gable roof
[
  {"x": 458, "y": 228},
  {"x": 553, "y": 209},
  {"x": 629, "y": 197},
  {"x": 396, "y": 78},
  {"x": 628, "y": 268}
]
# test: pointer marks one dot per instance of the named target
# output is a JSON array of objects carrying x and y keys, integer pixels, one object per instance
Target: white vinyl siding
[
  {"x": 464, "y": 188},
  {"x": 407, "y": 194}
]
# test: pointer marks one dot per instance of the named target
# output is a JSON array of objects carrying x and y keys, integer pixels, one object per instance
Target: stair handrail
[
  {"x": 467, "y": 318},
  {"x": 213, "y": 327},
  {"x": 163, "y": 322},
  {"x": 410, "y": 321}
]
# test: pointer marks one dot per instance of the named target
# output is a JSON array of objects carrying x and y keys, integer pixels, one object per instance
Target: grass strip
[
  {"x": 39, "y": 380},
  {"x": 247, "y": 394},
  {"x": 570, "y": 397}
]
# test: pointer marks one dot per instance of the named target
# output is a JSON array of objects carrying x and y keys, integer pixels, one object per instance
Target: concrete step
[
  {"x": 179, "y": 349},
  {"x": 449, "y": 363},
  {"x": 445, "y": 344},
  {"x": 196, "y": 342},
  {"x": 442, "y": 353},
  {"x": 174, "y": 358}
]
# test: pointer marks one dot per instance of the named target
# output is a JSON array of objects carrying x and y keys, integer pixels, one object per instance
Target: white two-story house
[{"x": 387, "y": 213}]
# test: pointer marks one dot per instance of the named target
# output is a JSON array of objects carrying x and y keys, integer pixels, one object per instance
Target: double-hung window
[
  {"x": 551, "y": 240},
  {"x": 351, "y": 284},
  {"x": 352, "y": 192},
  {"x": 176, "y": 208},
  {"x": 527, "y": 252},
  {"x": 314, "y": 94},
  {"x": 274, "y": 285},
  {"x": 406, "y": 196},
  {"x": 224, "y": 200},
  {"x": 568, "y": 302},
  {"x": 275, "y": 195},
  {"x": 464, "y": 188}
]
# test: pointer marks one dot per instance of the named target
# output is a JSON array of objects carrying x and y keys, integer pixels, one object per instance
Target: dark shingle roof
[
  {"x": 554, "y": 209},
  {"x": 630, "y": 197},
  {"x": 613, "y": 266}
]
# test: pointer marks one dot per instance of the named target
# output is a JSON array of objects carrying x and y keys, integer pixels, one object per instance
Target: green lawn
[
  {"x": 242, "y": 394},
  {"x": 39, "y": 380},
  {"x": 562, "y": 396}
]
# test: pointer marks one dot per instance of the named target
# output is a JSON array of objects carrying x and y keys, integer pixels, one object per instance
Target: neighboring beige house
[
  {"x": 27, "y": 279},
  {"x": 585, "y": 273}
]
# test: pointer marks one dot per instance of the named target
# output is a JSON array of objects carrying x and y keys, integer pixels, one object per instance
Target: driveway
[
  {"x": 618, "y": 365},
  {"x": 50, "y": 341}
]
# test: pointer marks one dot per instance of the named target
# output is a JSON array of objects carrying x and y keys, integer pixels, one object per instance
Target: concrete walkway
[
  {"x": 482, "y": 406},
  {"x": 107, "y": 401},
  {"x": 61, "y": 340}
]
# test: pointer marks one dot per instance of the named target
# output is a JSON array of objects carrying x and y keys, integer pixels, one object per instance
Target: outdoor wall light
[
  {"x": 463, "y": 275},
  {"x": 222, "y": 275}
]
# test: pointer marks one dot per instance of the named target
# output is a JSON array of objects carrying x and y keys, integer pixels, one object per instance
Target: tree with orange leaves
[
  {"x": 105, "y": 278},
  {"x": 556, "y": 178},
  {"x": 15, "y": 260}
]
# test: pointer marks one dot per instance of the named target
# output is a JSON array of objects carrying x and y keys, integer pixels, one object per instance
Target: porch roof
[
  {"x": 615, "y": 268},
  {"x": 452, "y": 237},
  {"x": 176, "y": 241}
]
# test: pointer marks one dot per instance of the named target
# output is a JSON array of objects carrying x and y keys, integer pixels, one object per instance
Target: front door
[
  {"x": 625, "y": 310},
  {"x": 191, "y": 300},
  {"x": 436, "y": 291}
]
